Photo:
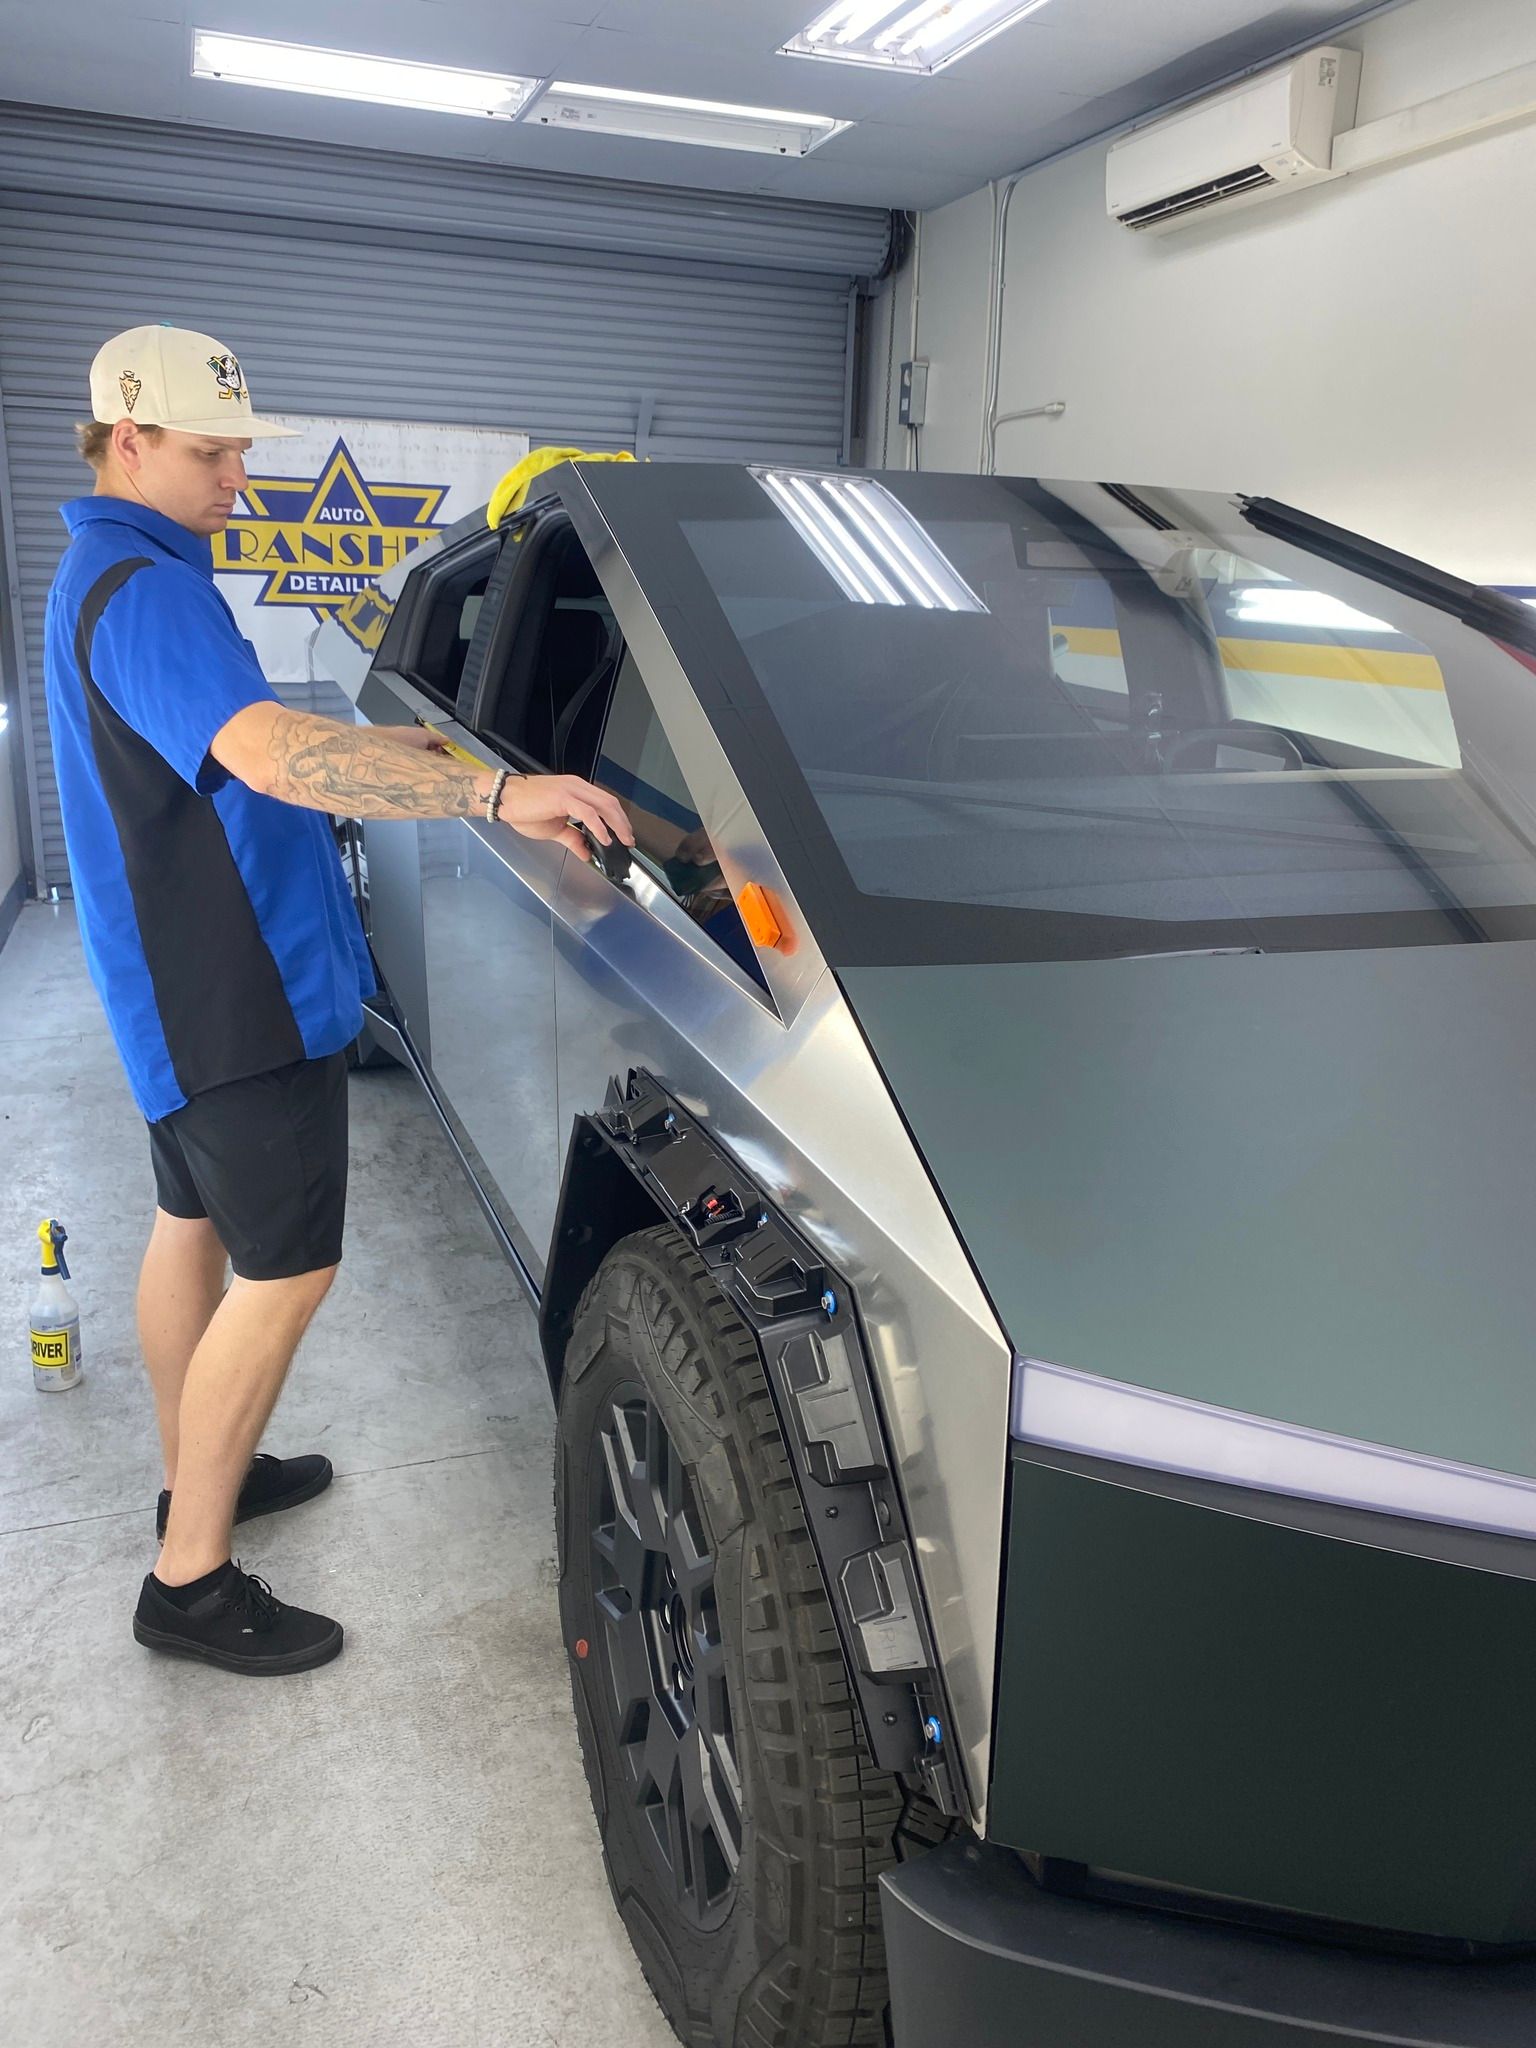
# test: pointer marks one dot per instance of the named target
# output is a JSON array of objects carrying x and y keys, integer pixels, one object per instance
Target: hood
[{"x": 1297, "y": 1185}]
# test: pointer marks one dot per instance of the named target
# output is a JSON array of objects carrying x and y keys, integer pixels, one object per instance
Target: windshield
[{"x": 1055, "y": 720}]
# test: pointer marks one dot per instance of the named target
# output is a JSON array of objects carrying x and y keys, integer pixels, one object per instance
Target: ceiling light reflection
[{"x": 867, "y": 540}]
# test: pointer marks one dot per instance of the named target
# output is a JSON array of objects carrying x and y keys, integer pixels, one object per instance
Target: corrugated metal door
[{"x": 688, "y": 324}]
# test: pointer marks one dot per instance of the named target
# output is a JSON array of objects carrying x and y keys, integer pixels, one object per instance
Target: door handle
[{"x": 613, "y": 859}]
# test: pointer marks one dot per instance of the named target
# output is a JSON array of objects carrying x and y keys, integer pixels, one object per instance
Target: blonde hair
[{"x": 93, "y": 438}]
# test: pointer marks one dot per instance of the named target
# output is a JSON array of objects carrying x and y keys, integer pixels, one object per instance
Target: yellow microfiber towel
[{"x": 511, "y": 492}]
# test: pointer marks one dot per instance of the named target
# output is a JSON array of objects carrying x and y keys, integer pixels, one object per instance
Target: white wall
[{"x": 1366, "y": 350}]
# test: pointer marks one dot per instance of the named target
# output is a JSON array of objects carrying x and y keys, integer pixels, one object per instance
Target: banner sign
[{"x": 326, "y": 513}]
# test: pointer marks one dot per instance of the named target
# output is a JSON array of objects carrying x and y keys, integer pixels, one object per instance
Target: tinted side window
[
  {"x": 637, "y": 763},
  {"x": 440, "y": 638},
  {"x": 547, "y": 687}
]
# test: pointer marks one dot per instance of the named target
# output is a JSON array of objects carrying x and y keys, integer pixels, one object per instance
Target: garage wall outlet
[{"x": 914, "y": 393}]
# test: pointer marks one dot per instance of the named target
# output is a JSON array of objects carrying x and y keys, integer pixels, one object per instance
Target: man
[{"x": 221, "y": 936}]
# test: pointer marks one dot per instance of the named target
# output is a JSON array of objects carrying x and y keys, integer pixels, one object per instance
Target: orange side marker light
[{"x": 759, "y": 916}]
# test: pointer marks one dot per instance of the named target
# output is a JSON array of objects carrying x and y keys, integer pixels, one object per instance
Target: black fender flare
[{"x": 644, "y": 1158}]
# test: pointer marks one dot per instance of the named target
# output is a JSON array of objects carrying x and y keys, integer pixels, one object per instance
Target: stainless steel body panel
[
  {"x": 797, "y": 1097},
  {"x": 394, "y": 899},
  {"x": 1241, "y": 1151},
  {"x": 482, "y": 920},
  {"x": 740, "y": 844},
  {"x": 383, "y": 697},
  {"x": 485, "y": 900},
  {"x": 1308, "y": 1196},
  {"x": 805, "y": 1111},
  {"x": 550, "y": 979}
]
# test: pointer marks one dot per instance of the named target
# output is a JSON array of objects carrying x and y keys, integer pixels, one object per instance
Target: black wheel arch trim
[{"x": 644, "y": 1158}]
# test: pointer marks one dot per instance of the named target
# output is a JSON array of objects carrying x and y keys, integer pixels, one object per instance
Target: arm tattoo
[{"x": 358, "y": 772}]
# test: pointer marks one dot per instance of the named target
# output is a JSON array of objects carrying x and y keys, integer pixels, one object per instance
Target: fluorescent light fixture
[
  {"x": 1282, "y": 604},
  {"x": 659, "y": 117},
  {"x": 907, "y": 35},
  {"x": 352, "y": 75},
  {"x": 867, "y": 540},
  {"x": 1075, "y": 1411}
]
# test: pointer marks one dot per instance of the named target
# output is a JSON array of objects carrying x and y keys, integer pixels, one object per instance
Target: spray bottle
[{"x": 55, "y": 1318}]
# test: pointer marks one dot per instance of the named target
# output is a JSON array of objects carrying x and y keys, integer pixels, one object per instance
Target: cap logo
[
  {"x": 227, "y": 371},
  {"x": 130, "y": 386}
]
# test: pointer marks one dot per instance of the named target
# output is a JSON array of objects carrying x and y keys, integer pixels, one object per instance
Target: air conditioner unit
[{"x": 1268, "y": 135}]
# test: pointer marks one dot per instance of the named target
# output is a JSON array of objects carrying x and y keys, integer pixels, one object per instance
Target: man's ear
[{"x": 127, "y": 445}]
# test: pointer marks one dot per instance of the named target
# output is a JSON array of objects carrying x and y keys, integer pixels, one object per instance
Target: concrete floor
[{"x": 396, "y": 1848}]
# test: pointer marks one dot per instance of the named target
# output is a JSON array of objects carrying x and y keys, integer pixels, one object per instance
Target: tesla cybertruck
[{"x": 1027, "y": 1174}]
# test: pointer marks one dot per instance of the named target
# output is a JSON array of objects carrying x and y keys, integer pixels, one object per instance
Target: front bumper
[
  {"x": 1295, "y": 1716},
  {"x": 979, "y": 1954}
]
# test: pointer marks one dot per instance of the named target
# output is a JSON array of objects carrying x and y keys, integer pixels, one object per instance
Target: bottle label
[{"x": 52, "y": 1351}]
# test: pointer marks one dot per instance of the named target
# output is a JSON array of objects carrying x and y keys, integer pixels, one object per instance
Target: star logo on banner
[{"x": 320, "y": 541}]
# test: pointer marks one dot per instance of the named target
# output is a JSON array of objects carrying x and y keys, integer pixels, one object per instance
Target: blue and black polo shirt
[{"x": 218, "y": 925}]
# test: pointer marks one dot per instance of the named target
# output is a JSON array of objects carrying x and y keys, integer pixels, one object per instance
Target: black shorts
[{"x": 266, "y": 1161}]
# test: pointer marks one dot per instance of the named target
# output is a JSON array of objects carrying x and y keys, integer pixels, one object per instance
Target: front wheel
[{"x": 744, "y": 1827}]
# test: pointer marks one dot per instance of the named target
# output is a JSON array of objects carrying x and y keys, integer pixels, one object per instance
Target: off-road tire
[{"x": 794, "y": 1958}]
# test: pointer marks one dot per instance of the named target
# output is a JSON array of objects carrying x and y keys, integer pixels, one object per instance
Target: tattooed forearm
[{"x": 360, "y": 772}]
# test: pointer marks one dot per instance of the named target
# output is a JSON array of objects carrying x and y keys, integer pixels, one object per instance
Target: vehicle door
[
  {"x": 653, "y": 964},
  {"x": 543, "y": 654},
  {"x": 415, "y": 679}
]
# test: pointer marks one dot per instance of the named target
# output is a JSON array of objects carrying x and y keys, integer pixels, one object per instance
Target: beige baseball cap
[{"x": 174, "y": 377}]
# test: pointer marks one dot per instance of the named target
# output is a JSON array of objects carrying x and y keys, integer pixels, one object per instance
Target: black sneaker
[
  {"x": 239, "y": 1626},
  {"x": 271, "y": 1485}
]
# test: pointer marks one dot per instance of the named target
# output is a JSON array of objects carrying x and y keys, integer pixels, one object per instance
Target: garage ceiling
[{"x": 1072, "y": 70}]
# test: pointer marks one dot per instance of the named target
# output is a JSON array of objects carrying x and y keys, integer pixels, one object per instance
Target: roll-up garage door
[{"x": 373, "y": 286}]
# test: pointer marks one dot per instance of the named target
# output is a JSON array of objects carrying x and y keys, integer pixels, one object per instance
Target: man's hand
[
  {"x": 554, "y": 806},
  {"x": 542, "y": 806}
]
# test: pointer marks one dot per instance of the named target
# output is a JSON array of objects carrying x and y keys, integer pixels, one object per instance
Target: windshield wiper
[
  {"x": 1191, "y": 953},
  {"x": 1488, "y": 611},
  {"x": 1124, "y": 495}
]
